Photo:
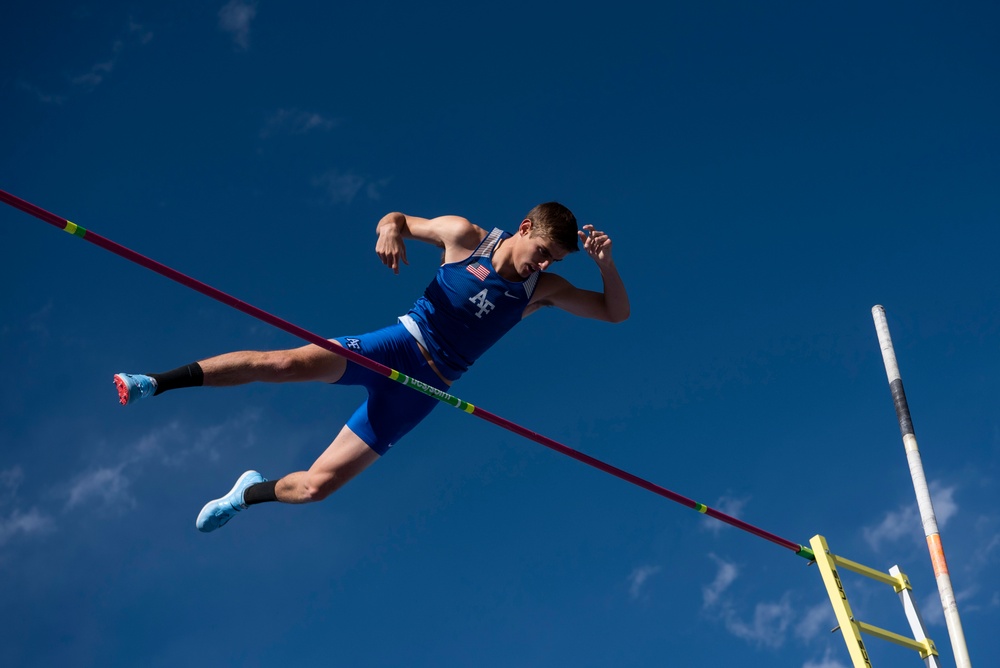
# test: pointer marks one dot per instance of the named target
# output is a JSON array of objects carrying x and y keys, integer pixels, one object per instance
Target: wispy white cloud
[
  {"x": 768, "y": 627},
  {"x": 637, "y": 580},
  {"x": 40, "y": 95},
  {"x": 728, "y": 505},
  {"x": 374, "y": 188},
  {"x": 296, "y": 122},
  {"x": 10, "y": 480},
  {"x": 135, "y": 33},
  {"x": 769, "y": 624},
  {"x": 894, "y": 525},
  {"x": 726, "y": 575},
  {"x": 108, "y": 486},
  {"x": 932, "y": 611},
  {"x": 33, "y": 521},
  {"x": 826, "y": 662},
  {"x": 945, "y": 506},
  {"x": 343, "y": 187},
  {"x": 139, "y": 32},
  {"x": 235, "y": 18},
  {"x": 13, "y": 520},
  {"x": 905, "y": 520},
  {"x": 990, "y": 542},
  {"x": 817, "y": 620},
  {"x": 339, "y": 188},
  {"x": 98, "y": 71},
  {"x": 174, "y": 445}
]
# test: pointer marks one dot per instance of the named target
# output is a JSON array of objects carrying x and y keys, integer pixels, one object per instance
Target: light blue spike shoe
[
  {"x": 219, "y": 511},
  {"x": 133, "y": 386}
]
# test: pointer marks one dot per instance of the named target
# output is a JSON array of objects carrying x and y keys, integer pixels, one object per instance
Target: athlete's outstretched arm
[
  {"x": 456, "y": 235},
  {"x": 611, "y": 305}
]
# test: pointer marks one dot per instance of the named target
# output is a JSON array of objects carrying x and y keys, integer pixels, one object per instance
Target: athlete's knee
[
  {"x": 319, "y": 486},
  {"x": 286, "y": 364},
  {"x": 308, "y": 363}
]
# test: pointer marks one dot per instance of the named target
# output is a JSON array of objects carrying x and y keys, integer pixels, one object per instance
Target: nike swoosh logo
[{"x": 510, "y": 295}]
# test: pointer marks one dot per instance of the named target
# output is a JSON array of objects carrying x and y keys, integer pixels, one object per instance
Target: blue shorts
[{"x": 392, "y": 409}]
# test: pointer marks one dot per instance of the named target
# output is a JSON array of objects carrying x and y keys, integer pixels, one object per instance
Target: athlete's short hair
[{"x": 557, "y": 223}]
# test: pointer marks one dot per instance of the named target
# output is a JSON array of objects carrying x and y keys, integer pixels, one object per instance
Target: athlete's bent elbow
[{"x": 618, "y": 314}]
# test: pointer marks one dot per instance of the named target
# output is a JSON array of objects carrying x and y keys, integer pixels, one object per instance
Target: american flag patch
[{"x": 479, "y": 271}]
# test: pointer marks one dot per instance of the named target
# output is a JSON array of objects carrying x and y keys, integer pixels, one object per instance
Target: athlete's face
[{"x": 537, "y": 252}]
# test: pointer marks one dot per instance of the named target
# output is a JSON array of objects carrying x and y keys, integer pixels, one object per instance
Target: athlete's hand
[
  {"x": 391, "y": 249},
  {"x": 596, "y": 243}
]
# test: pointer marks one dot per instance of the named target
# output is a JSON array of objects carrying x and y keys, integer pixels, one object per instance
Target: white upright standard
[{"x": 927, "y": 517}]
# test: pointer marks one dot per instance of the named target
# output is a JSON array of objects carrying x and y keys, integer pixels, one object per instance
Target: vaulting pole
[
  {"x": 924, "y": 503},
  {"x": 383, "y": 370}
]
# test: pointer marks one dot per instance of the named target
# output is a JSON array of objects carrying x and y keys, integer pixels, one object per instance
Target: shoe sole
[
  {"x": 123, "y": 393},
  {"x": 239, "y": 481}
]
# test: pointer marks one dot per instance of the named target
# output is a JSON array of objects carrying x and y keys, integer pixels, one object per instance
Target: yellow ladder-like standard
[{"x": 853, "y": 628}]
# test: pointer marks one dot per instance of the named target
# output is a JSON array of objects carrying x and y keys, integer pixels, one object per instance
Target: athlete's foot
[
  {"x": 219, "y": 511},
  {"x": 133, "y": 386}
]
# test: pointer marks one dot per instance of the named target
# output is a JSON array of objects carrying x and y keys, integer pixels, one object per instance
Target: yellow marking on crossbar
[{"x": 70, "y": 227}]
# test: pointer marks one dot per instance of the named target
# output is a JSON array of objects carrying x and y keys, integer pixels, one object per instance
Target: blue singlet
[{"x": 466, "y": 309}]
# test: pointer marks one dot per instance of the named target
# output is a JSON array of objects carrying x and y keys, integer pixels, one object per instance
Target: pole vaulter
[{"x": 392, "y": 374}]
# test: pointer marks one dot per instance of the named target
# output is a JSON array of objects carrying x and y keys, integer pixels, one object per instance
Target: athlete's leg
[
  {"x": 343, "y": 459},
  {"x": 388, "y": 414},
  {"x": 346, "y": 457},
  {"x": 308, "y": 363}
]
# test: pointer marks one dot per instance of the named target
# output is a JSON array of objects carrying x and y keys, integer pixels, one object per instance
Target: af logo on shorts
[{"x": 353, "y": 344}]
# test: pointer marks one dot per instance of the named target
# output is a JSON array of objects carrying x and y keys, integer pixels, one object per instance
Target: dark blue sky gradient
[{"x": 768, "y": 173}]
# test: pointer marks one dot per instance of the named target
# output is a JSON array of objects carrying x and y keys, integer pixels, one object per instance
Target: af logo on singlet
[{"x": 480, "y": 300}]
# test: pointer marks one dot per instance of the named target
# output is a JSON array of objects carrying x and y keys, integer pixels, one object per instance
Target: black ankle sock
[
  {"x": 190, "y": 375},
  {"x": 262, "y": 492}
]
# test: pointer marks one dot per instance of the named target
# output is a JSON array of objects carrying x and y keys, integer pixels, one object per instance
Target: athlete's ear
[{"x": 524, "y": 228}]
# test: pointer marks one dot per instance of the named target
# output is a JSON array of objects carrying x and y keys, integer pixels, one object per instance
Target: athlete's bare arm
[
  {"x": 454, "y": 234},
  {"x": 611, "y": 305}
]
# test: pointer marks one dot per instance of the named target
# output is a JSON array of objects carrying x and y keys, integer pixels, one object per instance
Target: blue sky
[{"x": 768, "y": 173}]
